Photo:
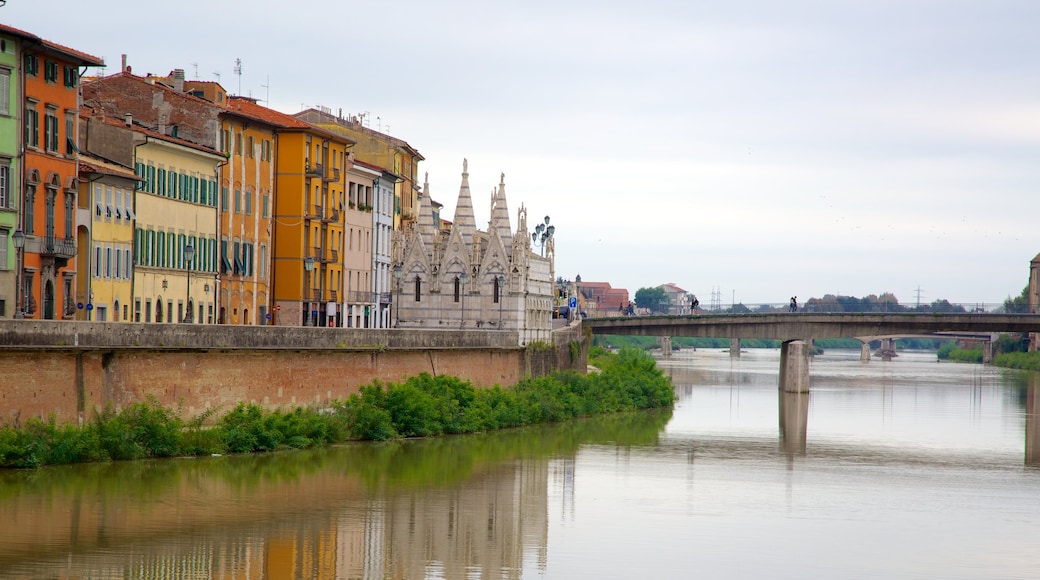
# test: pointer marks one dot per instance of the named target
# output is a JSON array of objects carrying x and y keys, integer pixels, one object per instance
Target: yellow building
[
  {"x": 380, "y": 150},
  {"x": 175, "y": 239},
  {"x": 308, "y": 219},
  {"x": 105, "y": 238}
]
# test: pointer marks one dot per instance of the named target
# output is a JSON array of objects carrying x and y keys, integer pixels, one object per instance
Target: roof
[
  {"x": 346, "y": 123},
  {"x": 91, "y": 164},
  {"x": 69, "y": 53},
  {"x": 247, "y": 107}
]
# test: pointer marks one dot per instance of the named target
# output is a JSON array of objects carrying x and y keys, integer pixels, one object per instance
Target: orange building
[
  {"x": 50, "y": 76},
  {"x": 308, "y": 220}
]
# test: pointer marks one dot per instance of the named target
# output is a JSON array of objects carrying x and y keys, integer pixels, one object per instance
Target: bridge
[{"x": 796, "y": 329}]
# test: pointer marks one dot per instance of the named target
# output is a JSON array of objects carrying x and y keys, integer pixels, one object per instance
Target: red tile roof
[{"x": 70, "y": 53}]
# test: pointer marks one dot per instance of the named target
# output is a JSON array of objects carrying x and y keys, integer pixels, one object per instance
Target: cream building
[{"x": 470, "y": 279}]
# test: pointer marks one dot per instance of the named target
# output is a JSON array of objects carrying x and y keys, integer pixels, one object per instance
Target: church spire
[
  {"x": 500, "y": 214},
  {"x": 464, "y": 219},
  {"x": 427, "y": 229}
]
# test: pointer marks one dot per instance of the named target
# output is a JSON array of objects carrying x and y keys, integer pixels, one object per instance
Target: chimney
[
  {"x": 178, "y": 80},
  {"x": 129, "y": 119},
  {"x": 124, "y": 69}
]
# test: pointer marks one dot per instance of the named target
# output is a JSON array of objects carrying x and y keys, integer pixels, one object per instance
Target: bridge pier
[
  {"x": 864, "y": 352},
  {"x": 987, "y": 351},
  {"x": 734, "y": 348},
  {"x": 665, "y": 342},
  {"x": 794, "y": 366}
]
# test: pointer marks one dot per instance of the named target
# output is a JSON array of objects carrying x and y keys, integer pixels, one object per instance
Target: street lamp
[
  {"x": 18, "y": 239},
  {"x": 577, "y": 295},
  {"x": 189, "y": 257},
  {"x": 542, "y": 234},
  {"x": 205, "y": 289},
  {"x": 463, "y": 279},
  {"x": 398, "y": 274},
  {"x": 308, "y": 267}
]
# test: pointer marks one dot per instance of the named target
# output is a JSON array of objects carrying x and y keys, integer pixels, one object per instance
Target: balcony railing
[
  {"x": 316, "y": 294},
  {"x": 315, "y": 170},
  {"x": 331, "y": 216},
  {"x": 334, "y": 296},
  {"x": 318, "y": 254},
  {"x": 331, "y": 174},
  {"x": 331, "y": 256},
  {"x": 361, "y": 297},
  {"x": 58, "y": 247}
]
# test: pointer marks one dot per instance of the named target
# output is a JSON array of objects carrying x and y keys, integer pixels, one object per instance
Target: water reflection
[{"x": 448, "y": 507}]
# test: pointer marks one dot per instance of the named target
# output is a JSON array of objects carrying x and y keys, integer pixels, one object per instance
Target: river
[{"x": 900, "y": 469}]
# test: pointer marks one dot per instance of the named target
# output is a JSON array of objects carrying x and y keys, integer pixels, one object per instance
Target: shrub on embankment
[
  {"x": 949, "y": 351},
  {"x": 1028, "y": 361},
  {"x": 420, "y": 406}
]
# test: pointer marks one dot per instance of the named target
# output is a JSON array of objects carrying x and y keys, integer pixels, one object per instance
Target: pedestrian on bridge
[{"x": 794, "y": 304}]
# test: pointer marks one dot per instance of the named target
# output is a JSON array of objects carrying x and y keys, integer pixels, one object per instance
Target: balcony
[
  {"x": 316, "y": 294},
  {"x": 331, "y": 174},
  {"x": 58, "y": 247},
  {"x": 331, "y": 256},
  {"x": 362, "y": 297},
  {"x": 334, "y": 297},
  {"x": 332, "y": 216},
  {"x": 318, "y": 254},
  {"x": 314, "y": 170}
]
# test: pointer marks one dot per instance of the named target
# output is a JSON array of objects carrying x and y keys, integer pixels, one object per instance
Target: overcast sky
[{"x": 753, "y": 148}]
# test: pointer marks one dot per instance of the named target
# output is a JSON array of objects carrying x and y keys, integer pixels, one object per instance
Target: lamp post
[
  {"x": 463, "y": 279},
  {"x": 542, "y": 234},
  {"x": 308, "y": 267},
  {"x": 18, "y": 239},
  {"x": 398, "y": 274},
  {"x": 205, "y": 289},
  {"x": 189, "y": 257},
  {"x": 577, "y": 296}
]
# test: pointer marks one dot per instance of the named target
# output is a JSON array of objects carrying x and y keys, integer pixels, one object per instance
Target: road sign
[{"x": 574, "y": 302}]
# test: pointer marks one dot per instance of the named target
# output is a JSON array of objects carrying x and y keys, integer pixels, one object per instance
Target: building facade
[
  {"x": 10, "y": 167},
  {"x": 360, "y": 302},
  {"x": 50, "y": 79},
  {"x": 469, "y": 279}
]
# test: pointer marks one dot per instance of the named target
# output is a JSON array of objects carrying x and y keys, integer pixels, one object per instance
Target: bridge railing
[{"x": 821, "y": 307}]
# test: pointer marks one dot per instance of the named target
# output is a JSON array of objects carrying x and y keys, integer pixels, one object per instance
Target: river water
[{"x": 900, "y": 469}]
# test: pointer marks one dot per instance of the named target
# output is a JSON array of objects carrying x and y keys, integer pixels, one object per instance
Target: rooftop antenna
[
  {"x": 268, "y": 87},
  {"x": 379, "y": 123},
  {"x": 216, "y": 74},
  {"x": 238, "y": 71},
  {"x": 196, "y": 66}
]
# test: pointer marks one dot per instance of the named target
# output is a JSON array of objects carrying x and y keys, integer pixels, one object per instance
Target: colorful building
[
  {"x": 360, "y": 301},
  {"x": 50, "y": 79},
  {"x": 10, "y": 166},
  {"x": 176, "y": 238},
  {"x": 380, "y": 150},
  {"x": 105, "y": 237}
]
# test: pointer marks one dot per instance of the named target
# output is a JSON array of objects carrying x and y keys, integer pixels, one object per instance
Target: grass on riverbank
[{"x": 420, "y": 406}]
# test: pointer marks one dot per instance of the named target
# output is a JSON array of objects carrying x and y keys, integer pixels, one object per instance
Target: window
[
  {"x": 5, "y": 91},
  {"x": 3, "y": 248},
  {"x": 249, "y": 203},
  {"x": 263, "y": 261},
  {"x": 49, "y": 224},
  {"x": 225, "y": 140},
  {"x": 108, "y": 262},
  {"x": 71, "y": 76},
  {"x": 29, "y": 210},
  {"x": 238, "y": 143},
  {"x": 32, "y": 65},
  {"x": 50, "y": 71},
  {"x": 129, "y": 206},
  {"x": 458, "y": 287},
  {"x": 265, "y": 202},
  {"x": 70, "y": 203},
  {"x": 265, "y": 150},
  {"x": 223, "y": 199},
  {"x": 137, "y": 310},
  {"x": 418, "y": 288},
  {"x": 97, "y": 260},
  {"x": 171, "y": 189},
  {"x": 5, "y": 183},
  {"x": 32, "y": 125},
  {"x": 50, "y": 130},
  {"x": 238, "y": 201},
  {"x": 249, "y": 149},
  {"x": 70, "y": 134},
  {"x": 497, "y": 292}
]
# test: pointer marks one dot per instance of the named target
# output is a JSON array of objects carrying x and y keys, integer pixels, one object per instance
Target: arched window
[
  {"x": 498, "y": 289},
  {"x": 458, "y": 288},
  {"x": 418, "y": 288}
]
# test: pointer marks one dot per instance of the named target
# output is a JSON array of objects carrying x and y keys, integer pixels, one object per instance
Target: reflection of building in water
[{"x": 481, "y": 528}]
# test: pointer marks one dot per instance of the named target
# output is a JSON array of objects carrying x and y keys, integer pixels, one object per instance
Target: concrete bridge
[{"x": 797, "y": 329}]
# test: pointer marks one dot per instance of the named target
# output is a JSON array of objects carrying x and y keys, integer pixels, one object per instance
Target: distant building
[
  {"x": 678, "y": 299},
  {"x": 466, "y": 278},
  {"x": 603, "y": 300}
]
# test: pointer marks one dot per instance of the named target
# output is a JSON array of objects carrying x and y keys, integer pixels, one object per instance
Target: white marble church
[{"x": 466, "y": 278}]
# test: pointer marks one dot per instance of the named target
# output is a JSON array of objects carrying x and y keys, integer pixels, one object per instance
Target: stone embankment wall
[{"x": 71, "y": 369}]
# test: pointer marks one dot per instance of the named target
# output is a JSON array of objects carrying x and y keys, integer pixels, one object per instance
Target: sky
[{"x": 746, "y": 150}]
